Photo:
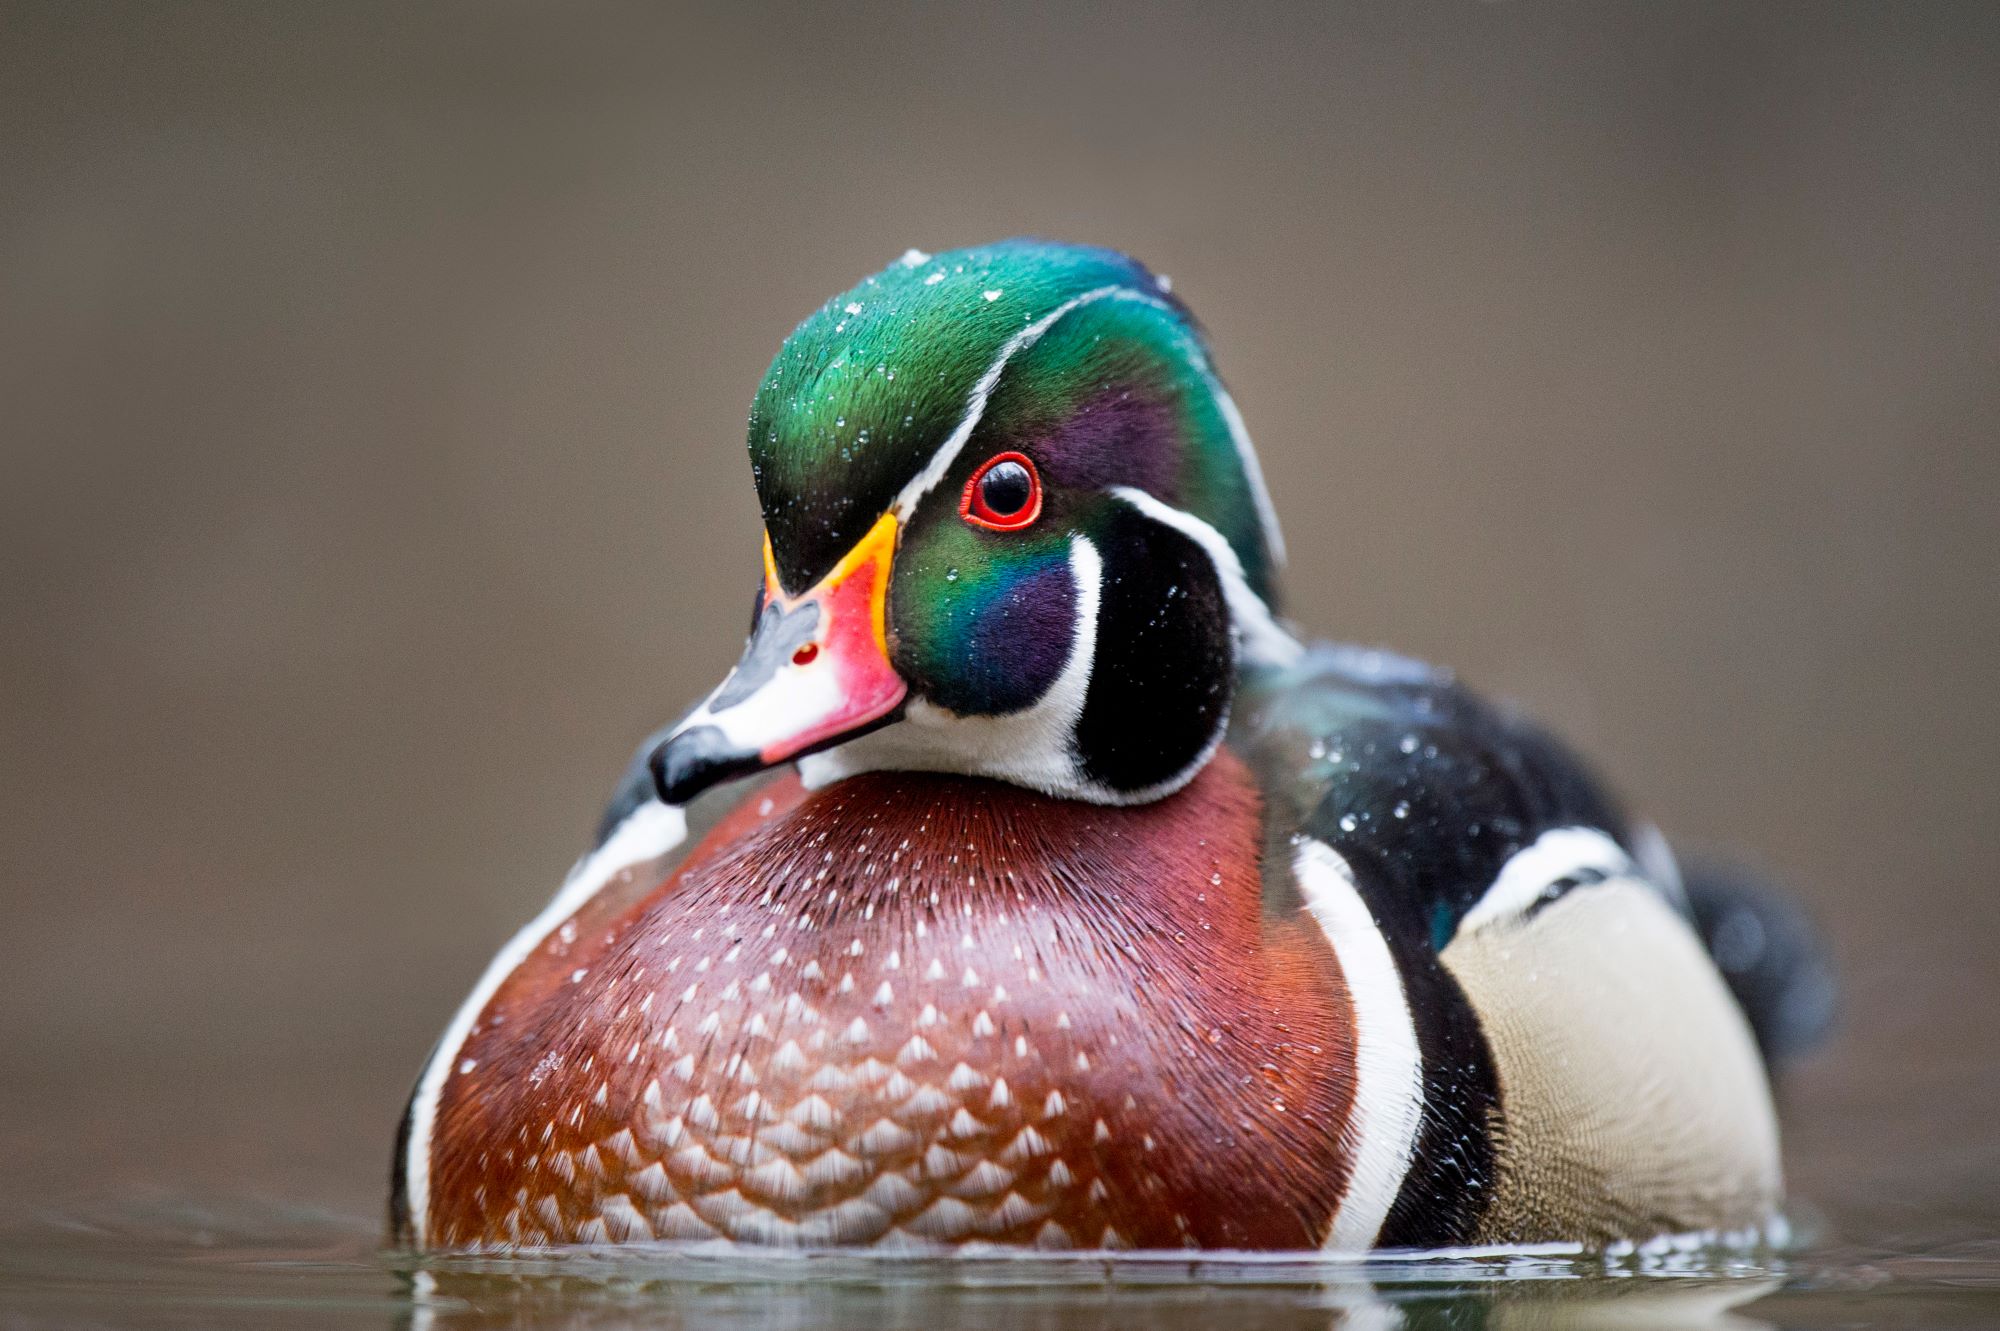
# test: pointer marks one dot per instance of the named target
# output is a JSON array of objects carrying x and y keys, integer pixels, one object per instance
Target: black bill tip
[{"x": 695, "y": 759}]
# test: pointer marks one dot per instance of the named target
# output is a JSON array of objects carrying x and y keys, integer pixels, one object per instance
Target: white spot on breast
[
  {"x": 1027, "y": 1144},
  {"x": 940, "y": 1162},
  {"x": 833, "y": 1166},
  {"x": 814, "y": 1112},
  {"x": 947, "y": 1220},
  {"x": 778, "y": 1178},
  {"x": 883, "y": 1138},
  {"x": 622, "y": 1221},
  {"x": 651, "y": 1183},
  {"x": 831, "y": 1078},
  {"x": 892, "y": 1192},
  {"x": 984, "y": 1180}
]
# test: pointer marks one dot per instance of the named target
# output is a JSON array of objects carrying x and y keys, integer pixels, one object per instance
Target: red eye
[{"x": 1003, "y": 495}]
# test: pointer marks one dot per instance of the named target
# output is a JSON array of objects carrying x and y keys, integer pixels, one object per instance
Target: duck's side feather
[{"x": 1471, "y": 835}]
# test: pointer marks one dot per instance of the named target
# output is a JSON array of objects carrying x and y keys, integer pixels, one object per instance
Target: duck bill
[{"x": 815, "y": 672}]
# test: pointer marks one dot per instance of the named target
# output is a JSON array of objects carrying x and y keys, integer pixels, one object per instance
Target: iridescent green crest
[{"x": 868, "y": 389}]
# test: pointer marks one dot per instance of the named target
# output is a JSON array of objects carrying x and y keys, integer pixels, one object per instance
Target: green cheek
[{"x": 983, "y": 623}]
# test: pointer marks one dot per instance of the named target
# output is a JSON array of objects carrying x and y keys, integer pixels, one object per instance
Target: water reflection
[
  {"x": 240, "y": 1265},
  {"x": 923, "y": 1296}
]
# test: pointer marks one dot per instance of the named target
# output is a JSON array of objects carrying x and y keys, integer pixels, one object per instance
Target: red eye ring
[{"x": 973, "y": 505}]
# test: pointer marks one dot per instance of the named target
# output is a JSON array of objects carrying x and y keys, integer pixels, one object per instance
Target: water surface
[{"x": 238, "y": 1263}]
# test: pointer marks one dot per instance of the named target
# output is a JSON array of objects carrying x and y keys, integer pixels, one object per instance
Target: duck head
[{"x": 1012, "y": 528}]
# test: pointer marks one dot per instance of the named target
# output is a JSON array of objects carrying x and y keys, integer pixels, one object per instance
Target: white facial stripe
[
  {"x": 1031, "y": 747},
  {"x": 650, "y": 831},
  {"x": 1265, "y": 641},
  {"x": 1239, "y": 434},
  {"x": 926, "y": 480},
  {"x": 1555, "y": 854},
  {"x": 1380, "y": 1136}
]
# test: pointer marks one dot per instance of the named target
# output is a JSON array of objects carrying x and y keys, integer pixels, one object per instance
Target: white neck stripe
[
  {"x": 1265, "y": 640},
  {"x": 1380, "y": 1135},
  {"x": 1253, "y": 471},
  {"x": 1555, "y": 854}
]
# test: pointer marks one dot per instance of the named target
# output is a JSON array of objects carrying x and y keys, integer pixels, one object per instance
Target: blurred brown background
[{"x": 371, "y": 396}]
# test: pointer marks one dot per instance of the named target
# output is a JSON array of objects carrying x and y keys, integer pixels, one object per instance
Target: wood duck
[{"x": 1074, "y": 901}]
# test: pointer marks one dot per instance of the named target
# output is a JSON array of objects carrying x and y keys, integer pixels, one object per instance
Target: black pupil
[{"x": 1006, "y": 488}]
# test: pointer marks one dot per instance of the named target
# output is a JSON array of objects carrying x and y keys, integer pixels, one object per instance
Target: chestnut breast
[{"x": 917, "y": 1009}]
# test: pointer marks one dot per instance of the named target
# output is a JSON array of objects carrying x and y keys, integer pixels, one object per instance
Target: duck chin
[{"x": 1022, "y": 749}]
